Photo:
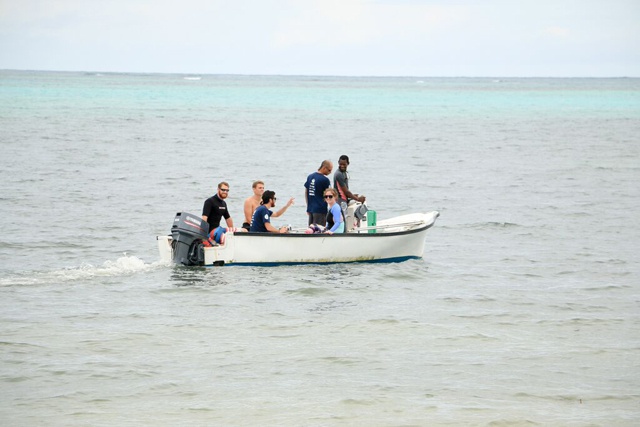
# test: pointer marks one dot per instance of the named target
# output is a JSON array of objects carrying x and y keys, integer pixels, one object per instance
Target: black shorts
[{"x": 318, "y": 218}]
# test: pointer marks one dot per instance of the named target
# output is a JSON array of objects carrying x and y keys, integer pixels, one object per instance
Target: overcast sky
[{"x": 565, "y": 38}]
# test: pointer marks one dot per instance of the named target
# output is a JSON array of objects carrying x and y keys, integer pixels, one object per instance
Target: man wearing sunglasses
[
  {"x": 261, "y": 221},
  {"x": 215, "y": 208},
  {"x": 314, "y": 188}
]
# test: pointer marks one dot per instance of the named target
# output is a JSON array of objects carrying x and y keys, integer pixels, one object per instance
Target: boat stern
[{"x": 164, "y": 247}]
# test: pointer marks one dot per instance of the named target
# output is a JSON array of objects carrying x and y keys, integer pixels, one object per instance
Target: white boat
[{"x": 391, "y": 240}]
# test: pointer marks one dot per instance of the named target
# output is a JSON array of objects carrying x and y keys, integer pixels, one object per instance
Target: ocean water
[{"x": 525, "y": 309}]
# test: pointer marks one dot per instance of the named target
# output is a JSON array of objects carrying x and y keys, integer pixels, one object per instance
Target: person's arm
[
  {"x": 205, "y": 210},
  {"x": 350, "y": 195},
  {"x": 227, "y": 218},
  {"x": 337, "y": 220},
  {"x": 271, "y": 229},
  {"x": 343, "y": 187},
  {"x": 283, "y": 209}
]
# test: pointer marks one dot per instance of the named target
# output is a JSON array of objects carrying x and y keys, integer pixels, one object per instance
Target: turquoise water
[
  {"x": 523, "y": 310},
  {"x": 409, "y": 97}
]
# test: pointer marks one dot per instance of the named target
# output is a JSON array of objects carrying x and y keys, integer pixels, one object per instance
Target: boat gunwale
[{"x": 380, "y": 233}]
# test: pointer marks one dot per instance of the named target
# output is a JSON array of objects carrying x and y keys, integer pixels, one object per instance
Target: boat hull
[{"x": 393, "y": 240}]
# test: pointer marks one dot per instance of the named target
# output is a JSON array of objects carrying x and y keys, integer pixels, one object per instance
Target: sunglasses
[
  {"x": 226, "y": 190},
  {"x": 328, "y": 196}
]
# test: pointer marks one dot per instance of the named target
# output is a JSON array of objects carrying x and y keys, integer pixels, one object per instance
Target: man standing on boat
[
  {"x": 215, "y": 208},
  {"x": 261, "y": 221},
  {"x": 316, "y": 183},
  {"x": 341, "y": 183}
]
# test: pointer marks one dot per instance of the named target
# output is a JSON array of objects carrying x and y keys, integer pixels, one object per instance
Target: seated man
[
  {"x": 215, "y": 208},
  {"x": 261, "y": 221},
  {"x": 251, "y": 203}
]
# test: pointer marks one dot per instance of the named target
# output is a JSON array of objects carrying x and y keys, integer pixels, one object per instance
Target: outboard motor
[
  {"x": 188, "y": 232},
  {"x": 355, "y": 212},
  {"x": 361, "y": 212}
]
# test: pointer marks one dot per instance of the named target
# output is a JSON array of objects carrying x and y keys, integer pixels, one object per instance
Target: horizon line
[{"x": 196, "y": 74}]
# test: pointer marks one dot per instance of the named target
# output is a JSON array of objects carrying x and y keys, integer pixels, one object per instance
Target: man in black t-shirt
[{"x": 215, "y": 208}]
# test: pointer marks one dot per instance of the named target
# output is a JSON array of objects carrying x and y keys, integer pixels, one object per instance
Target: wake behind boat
[{"x": 391, "y": 240}]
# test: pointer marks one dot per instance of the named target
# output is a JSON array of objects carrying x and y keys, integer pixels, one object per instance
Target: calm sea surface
[{"x": 525, "y": 309}]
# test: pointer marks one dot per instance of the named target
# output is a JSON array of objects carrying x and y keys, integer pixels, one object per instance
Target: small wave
[
  {"x": 491, "y": 224},
  {"x": 123, "y": 266},
  {"x": 577, "y": 398},
  {"x": 607, "y": 287},
  {"x": 501, "y": 224}
]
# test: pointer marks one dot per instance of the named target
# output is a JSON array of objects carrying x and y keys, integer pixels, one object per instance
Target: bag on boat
[{"x": 216, "y": 237}]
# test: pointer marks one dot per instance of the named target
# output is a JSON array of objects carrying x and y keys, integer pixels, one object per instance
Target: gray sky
[{"x": 561, "y": 38}]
